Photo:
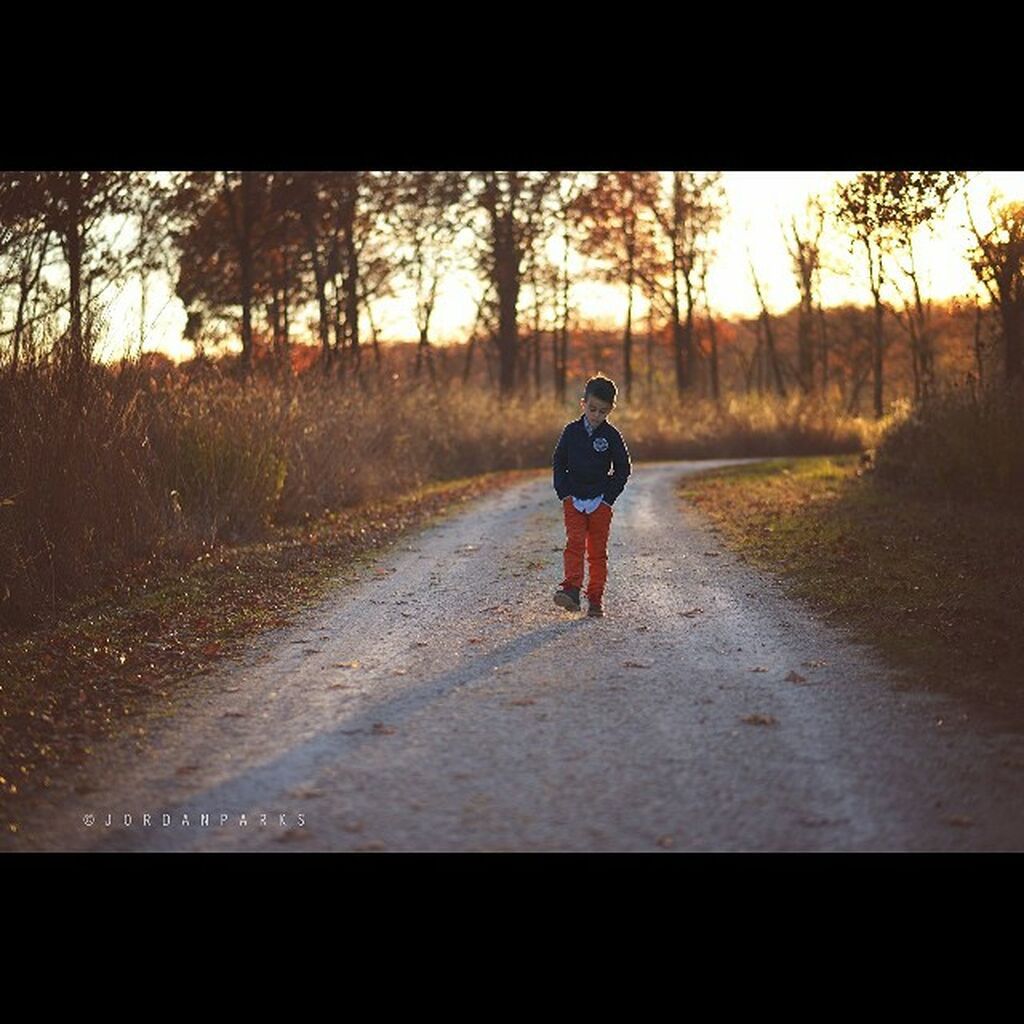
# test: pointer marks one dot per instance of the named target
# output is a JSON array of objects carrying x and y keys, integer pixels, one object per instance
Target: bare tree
[
  {"x": 24, "y": 245},
  {"x": 687, "y": 215},
  {"x": 71, "y": 207},
  {"x": 618, "y": 232},
  {"x": 221, "y": 222},
  {"x": 514, "y": 205},
  {"x": 567, "y": 188},
  {"x": 712, "y": 334},
  {"x": 922, "y": 196},
  {"x": 998, "y": 262},
  {"x": 804, "y": 246},
  {"x": 769, "y": 337},
  {"x": 425, "y": 218},
  {"x": 881, "y": 208}
]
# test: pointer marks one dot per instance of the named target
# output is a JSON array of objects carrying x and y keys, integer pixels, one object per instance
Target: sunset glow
[{"x": 759, "y": 204}]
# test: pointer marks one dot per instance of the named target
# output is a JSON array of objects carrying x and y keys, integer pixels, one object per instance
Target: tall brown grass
[
  {"x": 77, "y": 487},
  {"x": 101, "y": 466},
  {"x": 966, "y": 443}
]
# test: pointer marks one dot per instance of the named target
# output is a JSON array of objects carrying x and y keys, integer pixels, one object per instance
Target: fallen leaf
[
  {"x": 795, "y": 677},
  {"x": 759, "y": 668},
  {"x": 759, "y": 719},
  {"x": 521, "y": 702},
  {"x": 347, "y": 664},
  {"x": 637, "y": 664},
  {"x": 380, "y": 729},
  {"x": 960, "y": 821},
  {"x": 817, "y": 663},
  {"x": 308, "y": 793},
  {"x": 665, "y": 841},
  {"x": 234, "y": 714},
  {"x": 692, "y": 612},
  {"x": 291, "y": 835}
]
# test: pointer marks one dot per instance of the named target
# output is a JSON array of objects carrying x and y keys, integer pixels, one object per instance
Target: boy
[{"x": 584, "y": 481}]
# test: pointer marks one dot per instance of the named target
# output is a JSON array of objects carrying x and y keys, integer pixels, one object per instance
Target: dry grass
[
  {"x": 938, "y": 586},
  {"x": 98, "y": 471},
  {"x": 966, "y": 444}
]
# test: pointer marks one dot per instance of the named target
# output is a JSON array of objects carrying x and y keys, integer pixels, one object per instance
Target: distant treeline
[{"x": 284, "y": 257}]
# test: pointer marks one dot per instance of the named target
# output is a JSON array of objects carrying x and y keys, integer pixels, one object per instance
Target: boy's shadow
[{"x": 247, "y": 790}]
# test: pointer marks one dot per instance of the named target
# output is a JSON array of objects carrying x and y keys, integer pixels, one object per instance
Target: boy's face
[{"x": 595, "y": 409}]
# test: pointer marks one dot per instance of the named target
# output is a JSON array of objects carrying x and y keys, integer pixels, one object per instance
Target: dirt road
[{"x": 446, "y": 704}]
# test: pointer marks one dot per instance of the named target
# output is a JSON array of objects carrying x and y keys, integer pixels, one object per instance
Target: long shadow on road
[{"x": 296, "y": 766}]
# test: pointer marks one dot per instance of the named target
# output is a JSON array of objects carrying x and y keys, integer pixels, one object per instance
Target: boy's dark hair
[{"x": 602, "y": 388}]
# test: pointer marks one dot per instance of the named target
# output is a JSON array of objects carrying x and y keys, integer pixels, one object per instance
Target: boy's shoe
[
  {"x": 595, "y": 611},
  {"x": 568, "y": 598}
]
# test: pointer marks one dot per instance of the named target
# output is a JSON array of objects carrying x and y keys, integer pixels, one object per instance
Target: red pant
[{"x": 590, "y": 533}]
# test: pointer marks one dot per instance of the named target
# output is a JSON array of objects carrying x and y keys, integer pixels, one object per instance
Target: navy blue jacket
[{"x": 583, "y": 462}]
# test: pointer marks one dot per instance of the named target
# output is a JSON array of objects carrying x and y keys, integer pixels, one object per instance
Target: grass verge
[
  {"x": 127, "y": 653},
  {"x": 936, "y": 586}
]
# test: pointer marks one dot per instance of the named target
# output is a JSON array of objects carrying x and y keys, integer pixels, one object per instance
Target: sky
[{"x": 759, "y": 202}]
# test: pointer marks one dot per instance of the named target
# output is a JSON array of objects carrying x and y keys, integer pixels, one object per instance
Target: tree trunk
[
  {"x": 823, "y": 329},
  {"x": 536, "y": 360},
  {"x": 286, "y": 341},
  {"x": 715, "y": 393},
  {"x": 650, "y": 357},
  {"x": 773, "y": 356},
  {"x": 340, "y": 352},
  {"x": 374, "y": 338},
  {"x": 878, "y": 342},
  {"x": 320, "y": 277},
  {"x": 627, "y": 341},
  {"x": 677, "y": 339},
  {"x": 507, "y": 281},
  {"x": 877, "y": 353},
  {"x": 691, "y": 362},
  {"x": 1012, "y": 347},
  {"x": 25, "y": 289},
  {"x": 425, "y": 353},
  {"x": 805, "y": 347},
  {"x": 245, "y": 262},
  {"x": 73, "y": 240},
  {"x": 351, "y": 276}
]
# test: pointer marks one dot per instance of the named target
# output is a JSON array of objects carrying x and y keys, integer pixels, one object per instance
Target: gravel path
[{"x": 446, "y": 704}]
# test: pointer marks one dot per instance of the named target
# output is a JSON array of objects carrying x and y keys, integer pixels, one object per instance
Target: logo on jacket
[{"x": 600, "y": 444}]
